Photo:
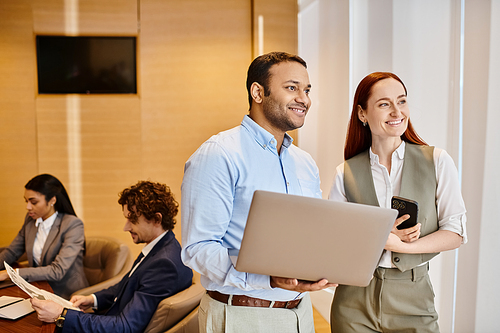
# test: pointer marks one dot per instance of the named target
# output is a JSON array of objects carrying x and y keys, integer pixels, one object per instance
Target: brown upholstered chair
[
  {"x": 105, "y": 262},
  {"x": 178, "y": 313}
]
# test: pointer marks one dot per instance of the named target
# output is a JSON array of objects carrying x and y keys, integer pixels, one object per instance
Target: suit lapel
[
  {"x": 161, "y": 243},
  {"x": 125, "y": 281},
  {"x": 54, "y": 230},
  {"x": 31, "y": 231}
]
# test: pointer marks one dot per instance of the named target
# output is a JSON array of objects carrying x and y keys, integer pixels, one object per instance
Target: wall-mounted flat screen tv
[{"x": 86, "y": 65}]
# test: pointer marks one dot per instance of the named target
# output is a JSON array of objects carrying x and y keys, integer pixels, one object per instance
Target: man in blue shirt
[{"x": 219, "y": 181}]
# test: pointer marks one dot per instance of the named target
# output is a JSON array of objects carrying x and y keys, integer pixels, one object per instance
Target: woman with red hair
[{"x": 385, "y": 157}]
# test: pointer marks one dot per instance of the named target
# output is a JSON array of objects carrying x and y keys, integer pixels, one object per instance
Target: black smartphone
[{"x": 406, "y": 206}]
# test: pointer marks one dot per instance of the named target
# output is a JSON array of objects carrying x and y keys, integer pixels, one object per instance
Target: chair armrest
[
  {"x": 99, "y": 286},
  {"x": 188, "y": 324},
  {"x": 173, "y": 309}
]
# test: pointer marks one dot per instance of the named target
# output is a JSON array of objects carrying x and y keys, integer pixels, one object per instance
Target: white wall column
[
  {"x": 420, "y": 40},
  {"x": 478, "y": 293},
  {"x": 324, "y": 45}
]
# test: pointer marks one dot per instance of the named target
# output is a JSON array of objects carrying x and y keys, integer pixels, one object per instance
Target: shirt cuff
[
  {"x": 95, "y": 302},
  {"x": 456, "y": 224},
  {"x": 258, "y": 281}
]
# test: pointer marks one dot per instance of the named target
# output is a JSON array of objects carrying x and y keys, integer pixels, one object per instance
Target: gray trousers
[
  {"x": 217, "y": 317},
  {"x": 394, "y": 301}
]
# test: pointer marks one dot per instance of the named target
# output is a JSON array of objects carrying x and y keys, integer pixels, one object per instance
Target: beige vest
[{"x": 418, "y": 183}]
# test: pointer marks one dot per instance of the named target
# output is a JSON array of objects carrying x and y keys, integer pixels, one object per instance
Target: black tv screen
[{"x": 86, "y": 65}]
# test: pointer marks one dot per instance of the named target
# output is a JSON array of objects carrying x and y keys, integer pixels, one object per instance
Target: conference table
[{"x": 29, "y": 323}]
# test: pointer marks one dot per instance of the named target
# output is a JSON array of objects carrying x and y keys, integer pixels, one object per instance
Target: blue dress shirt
[{"x": 219, "y": 181}]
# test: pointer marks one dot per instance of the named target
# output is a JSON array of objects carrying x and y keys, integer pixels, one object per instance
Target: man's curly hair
[{"x": 149, "y": 198}]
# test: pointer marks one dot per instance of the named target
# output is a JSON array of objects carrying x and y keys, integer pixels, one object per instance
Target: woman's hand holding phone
[{"x": 407, "y": 235}]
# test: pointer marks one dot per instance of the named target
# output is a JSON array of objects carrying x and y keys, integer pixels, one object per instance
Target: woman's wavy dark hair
[
  {"x": 359, "y": 137},
  {"x": 150, "y": 198},
  {"x": 50, "y": 187}
]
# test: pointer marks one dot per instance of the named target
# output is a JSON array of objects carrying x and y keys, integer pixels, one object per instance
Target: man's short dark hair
[
  {"x": 147, "y": 198},
  {"x": 260, "y": 66}
]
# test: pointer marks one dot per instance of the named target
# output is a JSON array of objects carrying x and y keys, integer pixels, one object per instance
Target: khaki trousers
[
  {"x": 217, "y": 317},
  {"x": 394, "y": 301}
]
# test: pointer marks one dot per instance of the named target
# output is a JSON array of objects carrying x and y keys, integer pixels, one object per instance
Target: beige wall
[{"x": 192, "y": 62}]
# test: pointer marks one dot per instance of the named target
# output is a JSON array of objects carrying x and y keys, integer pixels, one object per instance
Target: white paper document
[
  {"x": 33, "y": 291},
  {"x": 14, "y": 307}
]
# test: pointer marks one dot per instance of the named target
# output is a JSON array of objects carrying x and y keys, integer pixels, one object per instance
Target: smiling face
[
  {"x": 288, "y": 101},
  {"x": 37, "y": 205},
  {"x": 386, "y": 111}
]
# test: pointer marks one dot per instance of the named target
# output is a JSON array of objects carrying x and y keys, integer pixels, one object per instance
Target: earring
[{"x": 365, "y": 123}]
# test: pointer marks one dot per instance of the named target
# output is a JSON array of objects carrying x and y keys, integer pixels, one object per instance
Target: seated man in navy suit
[{"x": 149, "y": 209}]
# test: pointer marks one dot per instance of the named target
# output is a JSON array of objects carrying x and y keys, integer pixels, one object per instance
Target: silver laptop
[{"x": 310, "y": 239}]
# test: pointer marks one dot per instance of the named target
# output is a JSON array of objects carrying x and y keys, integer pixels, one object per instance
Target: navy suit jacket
[{"x": 130, "y": 304}]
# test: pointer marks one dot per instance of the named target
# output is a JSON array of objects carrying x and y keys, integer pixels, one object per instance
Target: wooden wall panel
[
  {"x": 280, "y": 25},
  {"x": 111, "y": 160},
  {"x": 96, "y": 155},
  {"x": 280, "y": 29},
  {"x": 192, "y": 61},
  {"x": 18, "y": 148},
  {"x": 85, "y": 17},
  {"x": 194, "y": 58},
  {"x": 103, "y": 155}
]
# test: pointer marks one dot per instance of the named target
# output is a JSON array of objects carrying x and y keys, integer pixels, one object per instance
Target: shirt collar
[
  {"x": 399, "y": 153},
  {"x": 146, "y": 249},
  {"x": 263, "y": 137},
  {"x": 47, "y": 224}
]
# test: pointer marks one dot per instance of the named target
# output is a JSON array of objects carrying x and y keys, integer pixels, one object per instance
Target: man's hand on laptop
[{"x": 300, "y": 285}]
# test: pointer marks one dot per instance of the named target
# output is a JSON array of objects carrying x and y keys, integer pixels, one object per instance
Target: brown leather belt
[{"x": 242, "y": 300}]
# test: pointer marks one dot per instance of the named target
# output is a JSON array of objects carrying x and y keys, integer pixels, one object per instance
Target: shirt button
[
  {"x": 265, "y": 146},
  {"x": 396, "y": 259}
]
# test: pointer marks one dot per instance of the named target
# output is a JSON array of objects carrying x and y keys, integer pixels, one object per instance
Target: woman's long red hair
[{"x": 359, "y": 137}]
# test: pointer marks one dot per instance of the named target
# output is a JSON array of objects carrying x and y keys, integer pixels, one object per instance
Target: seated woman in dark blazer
[{"x": 52, "y": 237}]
